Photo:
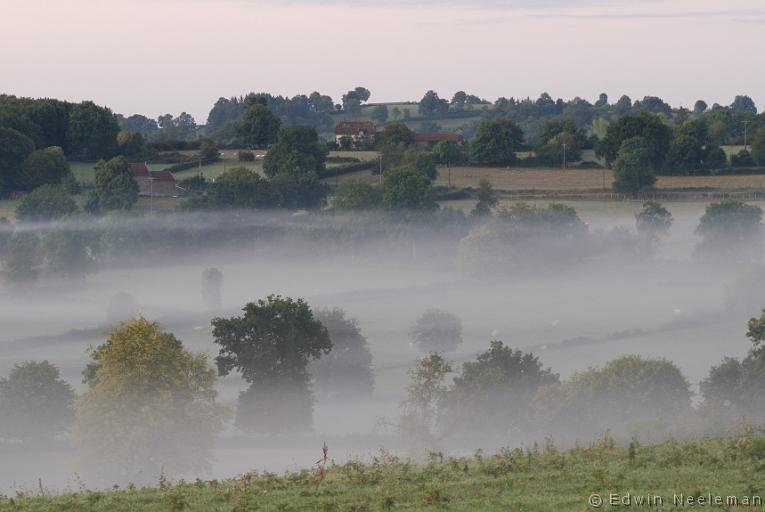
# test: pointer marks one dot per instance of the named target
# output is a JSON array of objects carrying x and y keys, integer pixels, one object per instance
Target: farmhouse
[
  {"x": 155, "y": 183},
  {"x": 426, "y": 140},
  {"x": 361, "y": 134}
]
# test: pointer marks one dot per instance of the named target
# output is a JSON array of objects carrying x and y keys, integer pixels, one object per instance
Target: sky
[{"x": 167, "y": 56}]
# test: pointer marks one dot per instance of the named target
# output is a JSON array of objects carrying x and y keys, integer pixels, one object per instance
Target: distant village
[{"x": 349, "y": 136}]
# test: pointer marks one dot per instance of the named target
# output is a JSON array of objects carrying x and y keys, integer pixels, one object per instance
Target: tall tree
[
  {"x": 271, "y": 346},
  {"x": 259, "y": 127},
  {"x": 92, "y": 131},
  {"x": 408, "y": 189},
  {"x": 743, "y": 104},
  {"x": 487, "y": 198},
  {"x": 431, "y": 104},
  {"x": 346, "y": 372},
  {"x": 493, "y": 394},
  {"x": 44, "y": 167},
  {"x": 649, "y": 127},
  {"x": 35, "y": 403},
  {"x": 14, "y": 148},
  {"x": 297, "y": 148},
  {"x": 730, "y": 231},
  {"x": 633, "y": 168},
  {"x": 115, "y": 187},
  {"x": 150, "y": 405},
  {"x": 496, "y": 142}
]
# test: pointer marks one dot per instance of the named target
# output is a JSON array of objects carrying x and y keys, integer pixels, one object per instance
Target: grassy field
[
  {"x": 571, "y": 180},
  {"x": 543, "y": 479}
]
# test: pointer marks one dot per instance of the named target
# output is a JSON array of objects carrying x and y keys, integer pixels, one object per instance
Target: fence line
[{"x": 653, "y": 196}]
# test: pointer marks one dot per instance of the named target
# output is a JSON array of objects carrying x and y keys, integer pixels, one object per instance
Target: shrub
[
  {"x": 245, "y": 156},
  {"x": 354, "y": 194},
  {"x": 742, "y": 159},
  {"x": 46, "y": 203}
]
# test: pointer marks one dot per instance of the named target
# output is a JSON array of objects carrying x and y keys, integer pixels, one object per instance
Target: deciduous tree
[{"x": 271, "y": 346}]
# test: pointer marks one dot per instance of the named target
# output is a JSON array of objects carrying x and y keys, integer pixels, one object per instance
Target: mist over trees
[
  {"x": 271, "y": 346},
  {"x": 436, "y": 330},
  {"x": 346, "y": 371},
  {"x": 730, "y": 230},
  {"x": 35, "y": 403},
  {"x": 610, "y": 398},
  {"x": 150, "y": 405},
  {"x": 212, "y": 283},
  {"x": 493, "y": 394}
]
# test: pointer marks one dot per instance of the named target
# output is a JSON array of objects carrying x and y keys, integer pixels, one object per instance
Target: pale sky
[{"x": 159, "y": 56}]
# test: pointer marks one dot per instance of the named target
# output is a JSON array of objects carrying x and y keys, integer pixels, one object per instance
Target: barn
[
  {"x": 361, "y": 134},
  {"x": 155, "y": 183},
  {"x": 425, "y": 141}
]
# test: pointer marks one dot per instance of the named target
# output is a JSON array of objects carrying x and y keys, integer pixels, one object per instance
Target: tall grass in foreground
[{"x": 540, "y": 478}]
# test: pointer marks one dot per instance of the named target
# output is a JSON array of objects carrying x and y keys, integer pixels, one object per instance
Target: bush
[
  {"x": 354, "y": 194},
  {"x": 742, "y": 159},
  {"x": 245, "y": 156},
  {"x": 46, "y": 203}
]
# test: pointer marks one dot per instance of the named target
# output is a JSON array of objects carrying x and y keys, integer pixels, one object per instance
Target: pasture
[
  {"x": 534, "y": 480},
  {"x": 515, "y": 179}
]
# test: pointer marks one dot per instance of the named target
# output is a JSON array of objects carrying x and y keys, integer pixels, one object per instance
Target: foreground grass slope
[{"x": 538, "y": 479}]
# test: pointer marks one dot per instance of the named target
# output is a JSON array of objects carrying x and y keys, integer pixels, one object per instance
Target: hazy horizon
[{"x": 158, "y": 56}]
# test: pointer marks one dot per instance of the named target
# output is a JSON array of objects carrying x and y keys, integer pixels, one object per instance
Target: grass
[{"x": 536, "y": 479}]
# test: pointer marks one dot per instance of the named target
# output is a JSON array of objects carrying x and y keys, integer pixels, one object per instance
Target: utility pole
[
  {"x": 151, "y": 194},
  {"x": 564, "y": 155}
]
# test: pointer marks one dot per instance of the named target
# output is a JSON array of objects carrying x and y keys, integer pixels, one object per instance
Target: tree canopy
[
  {"x": 297, "y": 148},
  {"x": 35, "y": 403},
  {"x": 46, "y": 203},
  {"x": 496, "y": 142},
  {"x": 150, "y": 405},
  {"x": 633, "y": 168},
  {"x": 271, "y": 346}
]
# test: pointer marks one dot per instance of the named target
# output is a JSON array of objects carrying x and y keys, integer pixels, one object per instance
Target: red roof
[
  {"x": 139, "y": 169},
  {"x": 162, "y": 175},
  {"x": 355, "y": 128},
  {"x": 437, "y": 137}
]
